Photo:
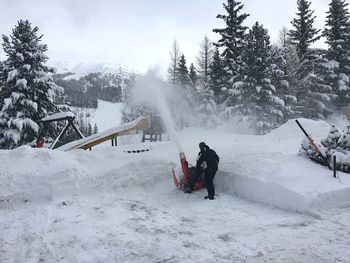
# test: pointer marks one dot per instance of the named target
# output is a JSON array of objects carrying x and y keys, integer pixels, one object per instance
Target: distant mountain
[
  {"x": 84, "y": 84},
  {"x": 79, "y": 70}
]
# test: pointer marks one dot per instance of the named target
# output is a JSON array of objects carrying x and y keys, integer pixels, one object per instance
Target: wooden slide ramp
[{"x": 140, "y": 123}]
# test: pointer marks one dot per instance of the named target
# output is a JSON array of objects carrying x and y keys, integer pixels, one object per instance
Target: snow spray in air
[{"x": 154, "y": 94}]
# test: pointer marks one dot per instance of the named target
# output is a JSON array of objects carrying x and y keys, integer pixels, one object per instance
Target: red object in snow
[
  {"x": 176, "y": 181},
  {"x": 184, "y": 166},
  {"x": 185, "y": 171},
  {"x": 39, "y": 144}
]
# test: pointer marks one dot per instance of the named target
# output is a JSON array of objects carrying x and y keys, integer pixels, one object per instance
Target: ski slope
[{"x": 108, "y": 205}]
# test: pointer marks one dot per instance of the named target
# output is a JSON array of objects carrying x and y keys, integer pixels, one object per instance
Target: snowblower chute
[{"x": 190, "y": 180}]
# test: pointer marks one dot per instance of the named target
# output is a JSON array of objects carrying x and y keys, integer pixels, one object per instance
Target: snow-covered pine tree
[
  {"x": 344, "y": 142},
  {"x": 2, "y": 79},
  {"x": 318, "y": 94},
  {"x": 207, "y": 109},
  {"x": 217, "y": 75},
  {"x": 279, "y": 79},
  {"x": 304, "y": 34},
  {"x": 290, "y": 64},
  {"x": 193, "y": 76},
  {"x": 332, "y": 140},
  {"x": 28, "y": 93},
  {"x": 337, "y": 33},
  {"x": 257, "y": 97},
  {"x": 95, "y": 131},
  {"x": 182, "y": 76},
  {"x": 232, "y": 37},
  {"x": 174, "y": 61},
  {"x": 183, "y": 81},
  {"x": 204, "y": 60}
]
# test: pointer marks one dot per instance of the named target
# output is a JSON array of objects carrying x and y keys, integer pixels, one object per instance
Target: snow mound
[
  {"x": 47, "y": 174},
  {"x": 265, "y": 169},
  {"x": 318, "y": 129}
]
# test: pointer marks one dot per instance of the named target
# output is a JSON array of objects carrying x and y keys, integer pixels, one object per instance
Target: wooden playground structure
[{"x": 141, "y": 123}]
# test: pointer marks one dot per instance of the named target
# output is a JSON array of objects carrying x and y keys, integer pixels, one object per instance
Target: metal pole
[{"x": 334, "y": 166}]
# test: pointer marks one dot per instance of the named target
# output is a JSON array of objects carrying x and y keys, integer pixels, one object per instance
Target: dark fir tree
[
  {"x": 193, "y": 76},
  {"x": 174, "y": 61},
  {"x": 28, "y": 94},
  {"x": 232, "y": 39},
  {"x": 257, "y": 98},
  {"x": 95, "y": 131},
  {"x": 303, "y": 33},
  {"x": 182, "y": 74},
  {"x": 216, "y": 75},
  {"x": 337, "y": 33},
  {"x": 2, "y": 80},
  {"x": 204, "y": 60}
]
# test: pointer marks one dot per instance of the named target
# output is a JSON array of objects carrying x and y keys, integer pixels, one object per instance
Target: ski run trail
[{"x": 108, "y": 205}]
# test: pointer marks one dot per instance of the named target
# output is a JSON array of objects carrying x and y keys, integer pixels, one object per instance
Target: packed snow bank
[
  {"x": 266, "y": 169},
  {"x": 45, "y": 174}
]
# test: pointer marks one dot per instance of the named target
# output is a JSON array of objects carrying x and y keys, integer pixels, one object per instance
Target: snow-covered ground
[
  {"x": 108, "y": 205},
  {"x": 107, "y": 114}
]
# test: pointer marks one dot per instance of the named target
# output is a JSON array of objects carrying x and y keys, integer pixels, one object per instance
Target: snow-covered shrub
[{"x": 336, "y": 144}]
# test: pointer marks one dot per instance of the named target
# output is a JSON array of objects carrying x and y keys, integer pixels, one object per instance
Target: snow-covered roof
[{"x": 58, "y": 116}]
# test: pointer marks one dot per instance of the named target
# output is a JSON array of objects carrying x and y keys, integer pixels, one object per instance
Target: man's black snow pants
[{"x": 209, "y": 175}]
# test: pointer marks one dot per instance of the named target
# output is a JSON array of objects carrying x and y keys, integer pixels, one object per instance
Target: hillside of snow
[
  {"x": 107, "y": 114},
  {"x": 108, "y": 205},
  {"x": 82, "y": 69}
]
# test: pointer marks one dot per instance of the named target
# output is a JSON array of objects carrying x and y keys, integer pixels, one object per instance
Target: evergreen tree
[
  {"x": 204, "y": 60},
  {"x": 216, "y": 75},
  {"x": 95, "y": 129},
  {"x": 193, "y": 76},
  {"x": 337, "y": 32},
  {"x": 2, "y": 79},
  {"x": 89, "y": 129},
  {"x": 309, "y": 83},
  {"x": 332, "y": 140},
  {"x": 284, "y": 69},
  {"x": 232, "y": 36},
  {"x": 28, "y": 94},
  {"x": 279, "y": 79},
  {"x": 257, "y": 97},
  {"x": 317, "y": 94},
  {"x": 174, "y": 61},
  {"x": 182, "y": 75},
  {"x": 304, "y": 34}
]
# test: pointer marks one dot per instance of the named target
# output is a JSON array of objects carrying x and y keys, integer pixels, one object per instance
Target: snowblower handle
[{"x": 311, "y": 141}]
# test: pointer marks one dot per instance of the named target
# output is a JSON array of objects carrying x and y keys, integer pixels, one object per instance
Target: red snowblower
[{"x": 190, "y": 180}]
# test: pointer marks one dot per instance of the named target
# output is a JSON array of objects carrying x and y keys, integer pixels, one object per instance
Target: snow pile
[
  {"x": 48, "y": 174},
  {"x": 266, "y": 168},
  {"x": 109, "y": 205}
]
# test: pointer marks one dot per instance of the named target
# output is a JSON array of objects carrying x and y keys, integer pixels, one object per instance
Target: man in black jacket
[{"x": 208, "y": 160}]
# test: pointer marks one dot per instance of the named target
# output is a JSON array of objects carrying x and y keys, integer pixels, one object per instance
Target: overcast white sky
[{"x": 137, "y": 33}]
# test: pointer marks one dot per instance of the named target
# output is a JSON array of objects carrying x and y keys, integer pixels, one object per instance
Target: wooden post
[{"x": 334, "y": 166}]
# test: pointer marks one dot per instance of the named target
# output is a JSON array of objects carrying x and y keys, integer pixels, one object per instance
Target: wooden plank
[{"x": 144, "y": 123}]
